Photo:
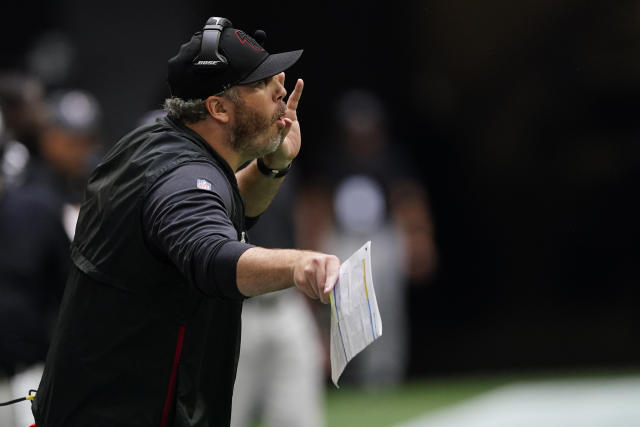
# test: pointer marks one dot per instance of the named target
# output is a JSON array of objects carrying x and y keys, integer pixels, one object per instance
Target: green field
[{"x": 349, "y": 406}]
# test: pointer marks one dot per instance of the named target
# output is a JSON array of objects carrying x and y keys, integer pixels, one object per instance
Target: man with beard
[{"x": 149, "y": 327}]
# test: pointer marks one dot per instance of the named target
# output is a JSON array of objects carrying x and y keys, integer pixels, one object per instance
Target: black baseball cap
[{"x": 226, "y": 58}]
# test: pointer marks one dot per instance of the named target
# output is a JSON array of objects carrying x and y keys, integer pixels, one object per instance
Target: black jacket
[{"x": 149, "y": 327}]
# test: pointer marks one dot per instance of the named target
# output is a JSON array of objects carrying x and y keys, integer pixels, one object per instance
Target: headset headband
[{"x": 209, "y": 56}]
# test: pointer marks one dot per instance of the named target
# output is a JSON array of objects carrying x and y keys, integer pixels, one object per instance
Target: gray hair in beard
[{"x": 248, "y": 126}]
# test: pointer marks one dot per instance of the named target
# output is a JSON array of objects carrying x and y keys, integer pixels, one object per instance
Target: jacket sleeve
[{"x": 185, "y": 219}]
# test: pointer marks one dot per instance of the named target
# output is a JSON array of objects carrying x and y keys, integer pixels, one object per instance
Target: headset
[{"x": 209, "y": 56}]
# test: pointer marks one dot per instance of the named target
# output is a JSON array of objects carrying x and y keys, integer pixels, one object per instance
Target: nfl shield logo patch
[{"x": 203, "y": 184}]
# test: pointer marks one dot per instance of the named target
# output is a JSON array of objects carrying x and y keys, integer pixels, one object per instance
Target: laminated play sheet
[{"x": 355, "y": 319}]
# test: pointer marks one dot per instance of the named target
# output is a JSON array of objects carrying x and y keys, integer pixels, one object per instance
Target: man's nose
[{"x": 281, "y": 92}]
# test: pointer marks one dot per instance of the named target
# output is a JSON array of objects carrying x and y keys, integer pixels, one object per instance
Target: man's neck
[{"x": 217, "y": 139}]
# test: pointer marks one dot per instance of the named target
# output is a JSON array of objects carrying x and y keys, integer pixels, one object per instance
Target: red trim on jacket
[{"x": 172, "y": 379}]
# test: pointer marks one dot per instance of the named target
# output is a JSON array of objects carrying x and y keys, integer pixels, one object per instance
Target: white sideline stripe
[{"x": 578, "y": 403}]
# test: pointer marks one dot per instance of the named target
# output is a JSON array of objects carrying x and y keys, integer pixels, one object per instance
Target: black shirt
[
  {"x": 185, "y": 219},
  {"x": 149, "y": 327}
]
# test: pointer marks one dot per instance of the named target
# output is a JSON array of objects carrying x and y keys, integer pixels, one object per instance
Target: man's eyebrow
[{"x": 265, "y": 80}]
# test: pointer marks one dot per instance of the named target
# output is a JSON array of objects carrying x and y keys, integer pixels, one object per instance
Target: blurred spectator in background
[
  {"x": 71, "y": 147},
  {"x": 280, "y": 379},
  {"x": 24, "y": 110},
  {"x": 50, "y": 145},
  {"x": 37, "y": 219},
  {"x": 33, "y": 244},
  {"x": 370, "y": 192}
]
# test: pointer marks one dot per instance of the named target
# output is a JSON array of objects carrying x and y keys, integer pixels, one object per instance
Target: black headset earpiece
[{"x": 209, "y": 57}]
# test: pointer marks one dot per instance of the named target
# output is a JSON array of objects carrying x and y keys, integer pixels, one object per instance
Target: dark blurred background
[{"x": 521, "y": 116}]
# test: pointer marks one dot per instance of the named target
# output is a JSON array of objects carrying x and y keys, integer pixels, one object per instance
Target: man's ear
[{"x": 219, "y": 108}]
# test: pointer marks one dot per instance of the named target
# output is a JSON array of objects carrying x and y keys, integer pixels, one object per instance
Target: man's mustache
[{"x": 282, "y": 108}]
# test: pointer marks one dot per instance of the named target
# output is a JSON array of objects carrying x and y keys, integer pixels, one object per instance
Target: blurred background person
[
  {"x": 280, "y": 378},
  {"x": 24, "y": 110},
  {"x": 51, "y": 143},
  {"x": 33, "y": 244},
  {"x": 37, "y": 220},
  {"x": 371, "y": 192},
  {"x": 71, "y": 145}
]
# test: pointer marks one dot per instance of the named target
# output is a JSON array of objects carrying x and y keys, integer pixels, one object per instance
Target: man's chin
[
  {"x": 273, "y": 144},
  {"x": 267, "y": 147}
]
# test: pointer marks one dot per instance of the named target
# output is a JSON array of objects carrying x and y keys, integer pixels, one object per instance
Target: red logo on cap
[{"x": 245, "y": 39}]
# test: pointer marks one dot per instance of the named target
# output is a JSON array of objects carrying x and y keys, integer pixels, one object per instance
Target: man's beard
[{"x": 251, "y": 132}]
